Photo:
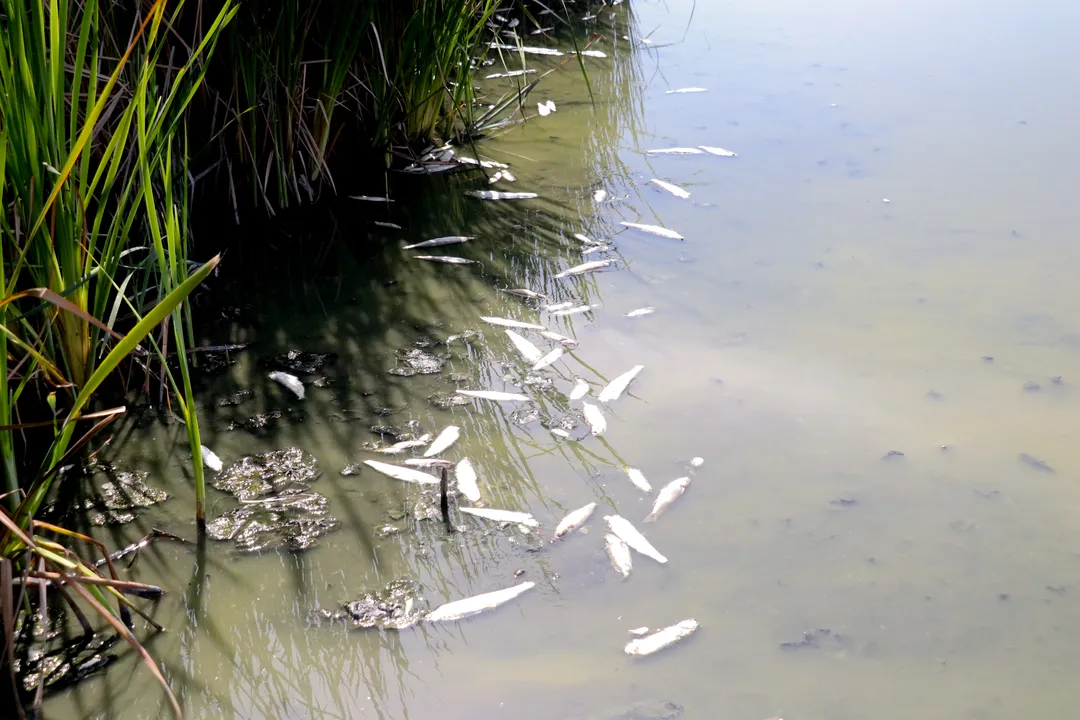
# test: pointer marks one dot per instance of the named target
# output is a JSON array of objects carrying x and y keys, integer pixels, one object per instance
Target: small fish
[
  {"x": 719, "y": 151},
  {"x": 641, "y": 311},
  {"x": 687, "y": 90},
  {"x": 556, "y": 337},
  {"x": 402, "y": 473},
  {"x": 593, "y": 53},
  {"x": 429, "y": 463},
  {"x": 599, "y": 196},
  {"x": 530, "y": 352},
  {"x": 477, "y": 604},
  {"x": 559, "y": 432},
  {"x": 667, "y": 497},
  {"x": 290, "y": 381},
  {"x": 675, "y": 151},
  {"x": 616, "y": 387},
  {"x": 435, "y": 242},
  {"x": 653, "y": 230},
  {"x": 541, "y": 31},
  {"x": 448, "y": 259},
  {"x": 380, "y": 223},
  {"x": 493, "y": 395},
  {"x": 585, "y": 267},
  {"x": 548, "y": 359},
  {"x": 211, "y": 460},
  {"x": 545, "y": 109},
  {"x": 445, "y": 439},
  {"x": 619, "y": 552},
  {"x": 371, "y": 198},
  {"x": 595, "y": 248},
  {"x": 673, "y": 189},
  {"x": 583, "y": 238},
  {"x": 510, "y": 516},
  {"x": 574, "y": 310},
  {"x": 1036, "y": 463},
  {"x": 488, "y": 164},
  {"x": 466, "y": 480},
  {"x": 580, "y": 390},
  {"x": 630, "y": 535},
  {"x": 504, "y": 322},
  {"x": 638, "y": 478},
  {"x": 406, "y": 444},
  {"x": 697, "y": 462},
  {"x": 522, "y": 292},
  {"x": 497, "y": 195},
  {"x": 510, "y": 74},
  {"x": 526, "y": 49},
  {"x": 661, "y": 639},
  {"x": 508, "y": 176},
  {"x": 495, "y": 178},
  {"x": 639, "y": 632},
  {"x": 559, "y": 306},
  {"x": 573, "y": 520},
  {"x": 595, "y": 418}
]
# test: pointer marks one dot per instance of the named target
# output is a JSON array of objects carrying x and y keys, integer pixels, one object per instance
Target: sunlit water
[{"x": 901, "y": 208}]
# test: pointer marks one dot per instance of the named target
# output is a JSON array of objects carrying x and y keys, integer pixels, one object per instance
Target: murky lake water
[{"x": 900, "y": 211}]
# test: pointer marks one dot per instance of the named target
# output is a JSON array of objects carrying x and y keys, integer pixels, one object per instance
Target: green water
[{"x": 805, "y": 328}]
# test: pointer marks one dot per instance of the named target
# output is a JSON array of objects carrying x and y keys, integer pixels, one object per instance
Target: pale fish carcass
[
  {"x": 506, "y": 322},
  {"x": 667, "y": 497},
  {"x": 619, "y": 552},
  {"x": 445, "y": 439},
  {"x": 573, "y": 520},
  {"x": 210, "y": 459},
  {"x": 436, "y": 242},
  {"x": 654, "y": 230},
  {"x": 459, "y": 609},
  {"x": 671, "y": 188},
  {"x": 638, "y": 478},
  {"x": 616, "y": 387},
  {"x": 289, "y": 381},
  {"x": 580, "y": 389},
  {"x": 495, "y": 395},
  {"x": 548, "y": 359},
  {"x": 556, "y": 337},
  {"x": 402, "y": 473},
  {"x": 591, "y": 266},
  {"x": 509, "y": 516},
  {"x": 466, "y": 477},
  {"x": 661, "y": 639},
  {"x": 595, "y": 418},
  {"x": 622, "y": 527},
  {"x": 530, "y": 352}
]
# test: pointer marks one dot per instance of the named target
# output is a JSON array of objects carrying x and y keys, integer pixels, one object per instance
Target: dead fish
[
  {"x": 493, "y": 395},
  {"x": 1036, "y": 463},
  {"x": 380, "y": 223},
  {"x": 687, "y": 90},
  {"x": 497, "y": 195},
  {"x": 510, "y": 516},
  {"x": 526, "y": 49},
  {"x": 594, "y": 249},
  {"x": 211, "y": 460},
  {"x": 638, "y": 632},
  {"x": 370, "y": 198},
  {"x": 466, "y": 480},
  {"x": 583, "y": 238},
  {"x": 559, "y": 306},
  {"x": 445, "y": 439},
  {"x": 429, "y": 463},
  {"x": 541, "y": 31},
  {"x": 697, "y": 462},
  {"x": 548, "y": 359},
  {"x": 495, "y": 178},
  {"x": 630, "y": 535},
  {"x": 574, "y": 310},
  {"x": 448, "y": 259},
  {"x": 594, "y": 53},
  {"x": 717, "y": 151},
  {"x": 654, "y": 230},
  {"x": 435, "y": 242},
  {"x": 290, "y": 381},
  {"x": 584, "y": 268},
  {"x": 661, "y": 639},
  {"x": 673, "y": 189},
  {"x": 556, "y": 337},
  {"x": 667, "y": 497},
  {"x": 580, "y": 389},
  {"x": 545, "y": 109},
  {"x": 674, "y": 151},
  {"x": 406, "y": 444},
  {"x": 559, "y": 432},
  {"x": 508, "y": 176},
  {"x": 488, "y": 164},
  {"x": 522, "y": 292},
  {"x": 573, "y": 520},
  {"x": 530, "y": 352},
  {"x": 510, "y": 74},
  {"x": 616, "y": 387},
  {"x": 402, "y": 473},
  {"x": 641, "y": 311},
  {"x": 595, "y": 418},
  {"x": 505, "y": 322},
  {"x": 599, "y": 196},
  {"x": 477, "y": 604},
  {"x": 638, "y": 478},
  {"x": 619, "y": 552}
]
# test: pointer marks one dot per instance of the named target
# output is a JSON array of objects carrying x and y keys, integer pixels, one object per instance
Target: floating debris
[
  {"x": 510, "y": 516},
  {"x": 211, "y": 460},
  {"x": 697, "y": 462},
  {"x": 436, "y": 242},
  {"x": 396, "y": 607},
  {"x": 370, "y": 198},
  {"x": 580, "y": 389},
  {"x": 477, "y": 604},
  {"x": 673, "y": 189},
  {"x": 548, "y": 359},
  {"x": 417, "y": 362},
  {"x": 506, "y": 322},
  {"x": 350, "y": 470},
  {"x": 293, "y": 521},
  {"x": 495, "y": 395},
  {"x": 638, "y": 478},
  {"x": 687, "y": 90},
  {"x": 530, "y": 352},
  {"x": 124, "y": 493},
  {"x": 556, "y": 337},
  {"x": 667, "y": 497},
  {"x": 446, "y": 401},
  {"x": 526, "y": 49},
  {"x": 291, "y": 382},
  {"x": 661, "y": 639},
  {"x": 498, "y": 195},
  {"x": 559, "y": 432},
  {"x": 574, "y": 520},
  {"x": 545, "y": 109},
  {"x": 641, "y": 311},
  {"x": 278, "y": 471},
  {"x": 619, "y": 552},
  {"x": 675, "y": 151},
  {"x": 448, "y": 259},
  {"x": 445, "y": 439},
  {"x": 298, "y": 362},
  {"x": 1034, "y": 462},
  {"x": 585, "y": 267},
  {"x": 721, "y": 152},
  {"x": 595, "y": 418},
  {"x": 525, "y": 293},
  {"x": 654, "y": 230},
  {"x": 616, "y": 387},
  {"x": 402, "y": 473},
  {"x": 623, "y": 529},
  {"x": 466, "y": 477}
]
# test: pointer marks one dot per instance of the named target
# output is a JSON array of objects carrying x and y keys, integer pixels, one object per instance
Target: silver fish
[
  {"x": 541, "y": 31},
  {"x": 575, "y": 310},
  {"x": 641, "y": 311},
  {"x": 630, "y": 535},
  {"x": 511, "y": 516},
  {"x": 595, "y": 418},
  {"x": 526, "y": 49},
  {"x": 495, "y": 178},
  {"x": 406, "y": 444},
  {"x": 392, "y": 226},
  {"x": 448, "y": 240},
  {"x": 445, "y": 439},
  {"x": 371, "y": 198},
  {"x": 504, "y": 322},
  {"x": 466, "y": 480},
  {"x": 211, "y": 460},
  {"x": 583, "y": 238},
  {"x": 616, "y": 387},
  {"x": 402, "y": 473},
  {"x": 499, "y": 195},
  {"x": 477, "y": 604},
  {"x": 697, "y": 462},
  {"x": 667, "y": 497},
  {"x": 559, "y": 306},
  {"x": 429, "y": 463},
  {"x": 674, "y": 151},
  {"x": 654, "y": 230},
  {"x": 556, "y": 337},
  {"x": 290, "y": 381},
  {"x": 638, "y": 478},
  {"x": 522, "y": 292},
  {"x": 584, "y": 268},
  {"x": 619, "y": 552},
  {"x": 580, "y": 390},
  {"x": 493, "y": 395},
  {"x": 717, "y": 151},
  {"x": 593, "y": 53},
  {"x": 594, "y": 249},
  {"x": 673, "y": 189},
  {"x": 548, "y": 359},
  {"x": 687, "y": 90},
  {"x": 599, "y": 196},
  {"x": 639, "y": 631},
  {"x": 488, "y": 164},
  {"x": 448, "y": 259},
  {"x": 559, "y": 432},
  {"x": 512, "y": 73},
  {"x": 661, "y": 639},
  {"x": 573, "y": 520},
  {"x": 508, "y": 176},
  {"x": 530, "y": 352}
]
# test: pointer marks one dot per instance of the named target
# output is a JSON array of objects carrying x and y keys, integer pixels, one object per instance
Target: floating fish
[
  {"x": 673, "y": 189},
  {"x": 530, "y": 352},
  {"x": 717, "y": 151},
  {"x": 594, "y": 53},
  {"x": 290, "y": 381},
  {"x": 559, "y": 432},
  {"x": 466, "y": 480},
  {"x": 429, "y": 463},
  {"x": 508, "y": 176},
  {"x": 477, "y": 604},
  {"x": 380, "y": 223},
  {"x": 504, "y": 322},
  {"x": 595, "y": 418},
  {"x": 510, "y": 74},
  {"x": 641, "y": 311},
  {"x": 445, "y": 439},
  {"x": 406, "y": 444},
  {"x": 638, "y": 478},
  {"x": 448, "y": 240},
  {"x": 522, "y": 292},
  {"x": 211, "y": 460},
  {"x": 493, "y": 395},
  {"x": 556, "y": 337},
  {"x": 580, "y": 390},
  {"x": 595, "y": 248},
  {"x": 488, "y": 164},
  {"x": 511, "y": 516},
  {"x": 697, "y": 462},
  {"x": 675, "y": 151},
  {"x": 541, "y": 31},
  {"x": 654, "y": 230},
  {"x": 687, "y": 90},
  {"x": 545, "y": 109},
  {"x": 583, "y": 238},
  {"x": 574, "y": 310},
  {"x": 573, "y": 520},
  {"x": 495, "y": 178},
  {"x": 584, "y": 268},
  {"x": 661, "y": 639},
  {"x": 630, "y": 535},
  {"x": 616, "y": 387},
  {"x": 667, "y": 497},
  {"x": 619, "y": 552},
  {"x": 497, "y": 195},
  {"x": 559, "y": 306},
  {"x": 548, "y": 359},
  {"x": 402, "y": 473},
  {"x": 526, "y": 49},
  {"x": 448, "y": 259},
  {"x": 599, "y": 196},
  {"x": 639, "y": 631},
  {"x": 370, "y": 198}
]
